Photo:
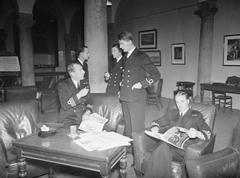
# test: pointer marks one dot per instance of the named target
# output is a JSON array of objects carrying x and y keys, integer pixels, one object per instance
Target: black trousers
[
  {"x": 134, "y": 115},
  {"x": 159, "y": 163}
]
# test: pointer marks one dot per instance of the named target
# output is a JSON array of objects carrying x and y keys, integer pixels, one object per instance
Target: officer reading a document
[{"x": 193, "y": 124}]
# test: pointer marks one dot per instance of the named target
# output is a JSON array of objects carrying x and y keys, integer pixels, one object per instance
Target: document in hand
[
  {"x": 175, "y": 136},
  {"x": 93, "y": 123},
  {"x": 102, "y": 140}
]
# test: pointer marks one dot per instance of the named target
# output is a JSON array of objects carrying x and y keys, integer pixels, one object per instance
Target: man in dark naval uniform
[
  {"x": 139, "y": 73},
  {"x": 82, "y": 59},
  {"x": 159, "y": 163},
  {"x": 115, "y": 76},
  {"x": 74, "y": 97}
]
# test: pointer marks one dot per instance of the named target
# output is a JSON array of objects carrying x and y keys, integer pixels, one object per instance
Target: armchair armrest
[
  {"x": 223, "y": 163},
  {"x": 5, "y": 165},
  {"x": 141, "y": 145},
  {"x": 2, "y": 159},
  {"x": 3, "y": 152},
  {"x": 195, "y": 150},
  {"x": 121, "y": 127}
]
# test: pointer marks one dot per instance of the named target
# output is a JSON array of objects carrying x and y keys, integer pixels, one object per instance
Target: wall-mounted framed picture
[
  {"x": 147, "y": 39},
  {"x": 231, "y": 50},
  {"x": 155, "y": 56},
  {"x": 178, "y": 53}
]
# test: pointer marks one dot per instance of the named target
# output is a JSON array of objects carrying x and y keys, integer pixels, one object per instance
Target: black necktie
[{"x": 78, "y": 85}]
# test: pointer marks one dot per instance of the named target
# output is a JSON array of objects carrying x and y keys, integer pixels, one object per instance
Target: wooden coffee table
[{"x": 61, "y": 149}]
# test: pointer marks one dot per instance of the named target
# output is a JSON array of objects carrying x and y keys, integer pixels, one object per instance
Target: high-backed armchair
[
  {"x": 222, "y": 163},
  {"x": 21, "y": 118},
  {"x": 108, "y": 106},
  {"x": 17, "y": 119},
  {"x": 143, "y": 145}
]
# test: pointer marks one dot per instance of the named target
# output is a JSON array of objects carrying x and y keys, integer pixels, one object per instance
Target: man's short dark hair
[
  {"x": 126, "y": 36},
  {"x": 116, "y": 45},
  {"x": 80, "y": 50}
]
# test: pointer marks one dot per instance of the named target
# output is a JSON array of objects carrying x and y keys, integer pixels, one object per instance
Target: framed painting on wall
[
  {"x": 147, "y": 39},
  {"x": 155, "y": 57},
  {"x": 231, "y": 50},
  {"x": 178, "y": 53}
]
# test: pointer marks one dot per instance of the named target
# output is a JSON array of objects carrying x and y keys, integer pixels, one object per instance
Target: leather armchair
[
  {"x": 222, "y": 163},
  {"x": 108, "y": 106},
  {"x": 48, "y": 95},
  {"x": 17, "y": 119},
  {"x": 49, "y": 100},
  {"x": 144, "y": 145},
  {"x": 20, "y": 118}
]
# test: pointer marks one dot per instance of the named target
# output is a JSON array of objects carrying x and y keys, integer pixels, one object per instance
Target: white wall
[
  {"x": 176, "y": 26},
  {"x": 181, "y": 25},
  {"x": 226, "y": 23}
]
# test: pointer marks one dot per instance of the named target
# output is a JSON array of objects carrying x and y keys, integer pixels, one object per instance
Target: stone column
[
  {"x": 95, "y": 37},
  {"x": 67, "y": 40},
  {"x": 25, "y": 23},
  {"x": 207, "y": 10}
]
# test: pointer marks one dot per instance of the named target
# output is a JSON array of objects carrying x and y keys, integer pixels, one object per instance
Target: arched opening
[{"x": 44, "y": 35}]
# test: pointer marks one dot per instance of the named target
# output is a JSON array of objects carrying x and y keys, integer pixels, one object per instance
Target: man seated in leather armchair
[
  {"x": 74, "y": 97},
  {"x": 159, "y": 163}
]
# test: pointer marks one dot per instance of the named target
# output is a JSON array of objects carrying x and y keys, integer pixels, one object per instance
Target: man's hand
[
  {"x": 193, "y": 133},
  {"x": 155, "y": 129},
  {"x": 83, "y": 92},
  {"x": 106, "y": 76},
  {"x": 137, "y": 85}
]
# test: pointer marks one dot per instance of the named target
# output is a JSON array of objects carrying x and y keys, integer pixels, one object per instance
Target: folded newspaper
[
  {"x": 175, "y": 136},
  {"x": 93, "y": 123},
  {"x": 101, "y": 140}
]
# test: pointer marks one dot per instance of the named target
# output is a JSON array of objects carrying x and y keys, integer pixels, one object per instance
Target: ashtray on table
[{"x": 50, "y": 132}]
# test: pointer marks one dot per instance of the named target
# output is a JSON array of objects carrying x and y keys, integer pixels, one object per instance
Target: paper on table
[
  {"x": 102, "y": 140},
  {"x": 93, "y": 123}
]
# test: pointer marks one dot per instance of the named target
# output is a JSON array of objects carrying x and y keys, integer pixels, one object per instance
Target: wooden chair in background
[
  {"x": 222, "y": 99},
  {"x": 154, "y": 94}
]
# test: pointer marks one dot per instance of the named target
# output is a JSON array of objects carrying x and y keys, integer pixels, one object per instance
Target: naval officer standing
[
  {"x": 138, "y": 73},
  {"x": 115, "y": 76}
]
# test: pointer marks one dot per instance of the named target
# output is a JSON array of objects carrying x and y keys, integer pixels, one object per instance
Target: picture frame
[
  {"x": 147, "y": 39},
  {"x": 155, "y": 56},
  {"x": 178, "y": 53},
  {"x": 231, "y": 50}
]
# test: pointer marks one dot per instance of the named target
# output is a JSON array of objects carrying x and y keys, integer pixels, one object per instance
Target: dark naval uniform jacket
[
  {"x": 137, "y": 68},
  {"x": 113, "y": 85},
  {"x": 71, "y": 113},
  {"x": 191, "y": 119},
  {"x": 85, "y": 81}
]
